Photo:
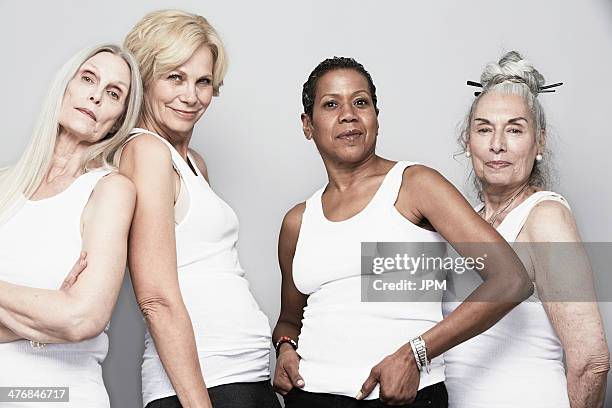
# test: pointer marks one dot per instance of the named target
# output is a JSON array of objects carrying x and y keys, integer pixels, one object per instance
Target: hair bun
[{"x": 512, "y": 68}]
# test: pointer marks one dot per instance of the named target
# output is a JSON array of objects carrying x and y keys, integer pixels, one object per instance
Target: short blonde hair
[{"x": 165, "y": 39}]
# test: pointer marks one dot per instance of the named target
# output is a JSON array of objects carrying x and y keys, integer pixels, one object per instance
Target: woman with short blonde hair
[{"x": 203, "y": 322}]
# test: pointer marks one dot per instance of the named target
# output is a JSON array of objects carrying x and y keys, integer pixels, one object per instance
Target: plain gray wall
[{"x": 419, "y": 53}]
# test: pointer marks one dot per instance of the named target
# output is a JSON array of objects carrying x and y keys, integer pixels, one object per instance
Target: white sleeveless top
[
  {"x": 342, "y": 338},
  {"x": 519, "y": 361},
  {"x": 39, "y": 245},
  {"x": 232, "y": 334}
]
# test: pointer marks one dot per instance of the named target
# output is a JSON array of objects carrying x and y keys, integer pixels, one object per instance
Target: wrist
[{"x": 283, "y": 343}]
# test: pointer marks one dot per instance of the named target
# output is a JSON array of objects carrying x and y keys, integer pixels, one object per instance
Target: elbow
[
  {"x": 83, "y": 328},
  {"x": 520, "y": 289},
  {"x": 157, "y": 310},
  {"x": 596, "y": 364}
]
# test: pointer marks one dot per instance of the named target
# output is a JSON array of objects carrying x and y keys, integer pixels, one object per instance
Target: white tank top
[
  {"x": 232, "y": 334},
  {"x": 519, "y": 361},
  {"x": 342, "y": 338},
  {"x": 39, "y": 245}
]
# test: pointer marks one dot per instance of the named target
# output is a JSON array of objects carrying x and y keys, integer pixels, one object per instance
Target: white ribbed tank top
[
  {"x": 342, "y": 338},
  {"x": 232, "y": 334},
  {"x": 519, "y": 361},
  {"x": 39, "y": 245}
]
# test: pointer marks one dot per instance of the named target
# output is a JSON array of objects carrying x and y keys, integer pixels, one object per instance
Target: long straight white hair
[{"x": 20, "y": 181}]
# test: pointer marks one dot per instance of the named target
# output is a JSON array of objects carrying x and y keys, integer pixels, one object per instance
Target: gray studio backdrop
[{"x": 419, "y": 53}]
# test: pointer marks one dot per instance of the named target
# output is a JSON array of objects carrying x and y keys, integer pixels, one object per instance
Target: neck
[
  {"x": 342, "y": 176},
  {"x": 180, "y": 141},
  {"x": 68, "y": 154},
  {"x": 496, "y": 198}
]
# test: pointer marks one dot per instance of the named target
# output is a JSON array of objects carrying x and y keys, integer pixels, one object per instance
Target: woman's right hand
[
  {"x": 76, "y": 270},
  {"x": 287, "y": 375}
]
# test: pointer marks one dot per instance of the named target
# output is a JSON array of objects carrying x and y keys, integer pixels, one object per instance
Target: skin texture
[
  {"x": 82, "y": 306},
  {"x": 578, "y": 324},
  {"x": 152, "y": 249},
  {"x": 343, "y": 104}
]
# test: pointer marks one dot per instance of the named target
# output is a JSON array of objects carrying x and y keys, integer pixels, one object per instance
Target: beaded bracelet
[{"x": 284, "y": 339}]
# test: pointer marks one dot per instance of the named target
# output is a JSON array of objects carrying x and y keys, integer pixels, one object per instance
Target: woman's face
[
  {"x": 344, "y": 124},
  {"x": 95, "y": 97},
  {"x": 503, "y": 141},
  {"x": 179, "y": 98}
]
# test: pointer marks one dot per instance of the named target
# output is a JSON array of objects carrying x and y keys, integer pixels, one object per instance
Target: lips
[
  {"x": 186, "y": 114},
  {"x": 497, "y": 164},
  {"x": 87, "y": 112},
  {"x": 350, "y": 134}
]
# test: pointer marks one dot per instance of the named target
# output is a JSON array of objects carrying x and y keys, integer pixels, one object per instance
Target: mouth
[
  {"x": 497, "y": 164},
  {"x": 186, "y": 114},
  {"x": 87, "y": 112},
  {"x": 350, "y": 135}
]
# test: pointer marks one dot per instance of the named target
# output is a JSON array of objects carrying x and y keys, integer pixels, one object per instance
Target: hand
[
  {"x": 286, "y": 375},
  {"x": 398, "y": 377},
  {"x": 76, "y": 270}
]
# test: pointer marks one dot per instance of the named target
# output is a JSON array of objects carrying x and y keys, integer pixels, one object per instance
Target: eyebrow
[
  {"x": 353, "y": 94},
  {"x": 513, "y": 120}
]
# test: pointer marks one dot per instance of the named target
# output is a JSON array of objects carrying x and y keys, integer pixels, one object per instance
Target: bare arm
[
  {"x": 152, "y": 260},
  {"x": 293, "y": 301},
  {"x": 82, "y": 310},
  {"x": 427, "y": 197},
  {"x": 562, "y": 272}
]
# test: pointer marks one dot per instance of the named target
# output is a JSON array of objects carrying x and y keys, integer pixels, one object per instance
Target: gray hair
[{"x": 517, "y": 76}]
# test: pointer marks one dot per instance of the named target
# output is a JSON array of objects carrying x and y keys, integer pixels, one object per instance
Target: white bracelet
[{"x": 420, "y": 351}]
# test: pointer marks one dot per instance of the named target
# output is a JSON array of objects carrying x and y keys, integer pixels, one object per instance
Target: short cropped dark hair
[{"x": 330, "y": 64}]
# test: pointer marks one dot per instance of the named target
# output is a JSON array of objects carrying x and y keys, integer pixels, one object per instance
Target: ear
[
  {"x": 306, "y": 125},
  {"x": 542, "y": 141}
]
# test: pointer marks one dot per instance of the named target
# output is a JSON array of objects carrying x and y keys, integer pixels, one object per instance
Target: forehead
[
  {"x": 503, "y": 106},
  {"x": 201, "y": 61},
  {"x": 342, "y": 81},
  {"x": 110, "y": 65}
]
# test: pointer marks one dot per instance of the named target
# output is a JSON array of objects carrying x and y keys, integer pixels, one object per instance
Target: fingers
[
  {"x": 76, "y": 270},
  {"x": 294, "y": 375},
  {"x": 369, "y": 384}
]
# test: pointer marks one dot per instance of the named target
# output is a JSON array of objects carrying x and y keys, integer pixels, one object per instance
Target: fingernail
[
  {"x": 300, "y": 383},
  {"x": 359, "y": 395}
]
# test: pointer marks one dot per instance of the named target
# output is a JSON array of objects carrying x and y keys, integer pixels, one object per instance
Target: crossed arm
[{"x": 82, "y": 307}]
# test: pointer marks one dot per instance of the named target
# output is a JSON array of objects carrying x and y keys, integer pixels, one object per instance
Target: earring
[
  {"x": 468, "y": 154},
  {"x": 538, "y": 157}
]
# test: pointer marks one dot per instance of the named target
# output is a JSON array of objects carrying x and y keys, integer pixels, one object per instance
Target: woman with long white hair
[{"x": 61, "y": 202}]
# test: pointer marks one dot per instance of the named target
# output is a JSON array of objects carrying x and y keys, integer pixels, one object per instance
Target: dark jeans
[
  {"x": 235, "y": 395},
  {"x": 434, "y": 396}
]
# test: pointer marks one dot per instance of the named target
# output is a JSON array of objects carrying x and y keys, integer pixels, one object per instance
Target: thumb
[
  {"x": 368, "y": 385},
  {"x": 294, "y": 375}
]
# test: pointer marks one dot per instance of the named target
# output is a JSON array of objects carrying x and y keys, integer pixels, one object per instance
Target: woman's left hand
[
  {"x": 398, "y": 377},
  {"x": 74, "y": 273}
]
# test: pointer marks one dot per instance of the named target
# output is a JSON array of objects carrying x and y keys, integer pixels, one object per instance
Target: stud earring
[
  {"x": 538, "y": 157},
  {"x": 468, "y": 154}
]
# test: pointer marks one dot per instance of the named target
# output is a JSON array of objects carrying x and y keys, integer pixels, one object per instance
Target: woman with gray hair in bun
[{"x": 519, "y": 361}]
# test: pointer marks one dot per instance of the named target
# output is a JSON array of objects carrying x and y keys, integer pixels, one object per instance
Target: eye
[
  {"x": 175, "y": 77},
  {"x": 362, "y": 102},
  {"x": 515, "y": 130},
  {"x": 113, "y": 95},
  {"x": 204, "y": 81},
  {"x": 330, "y": 104},
  {"x": 483, "y": 130},
  {"x": 86, "y": 78}
]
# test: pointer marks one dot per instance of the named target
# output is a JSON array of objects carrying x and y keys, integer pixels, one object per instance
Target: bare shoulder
[
  {"x": 116, "y": 184},
  {"x": 551, "y": 221},
  {"x": 199, "y": 161},
  {"x": 420, "y": 176},
  {"x": 146, "y": 149},
  {"x": 290, "y": 229}
]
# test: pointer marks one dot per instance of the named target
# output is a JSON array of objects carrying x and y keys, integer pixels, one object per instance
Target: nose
[
  {"x": 498, "y": 142},
  {"x": 188, "y": 95},
  {"x": 96, "y": 97},
  {"x": 347, "y": 114}
]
